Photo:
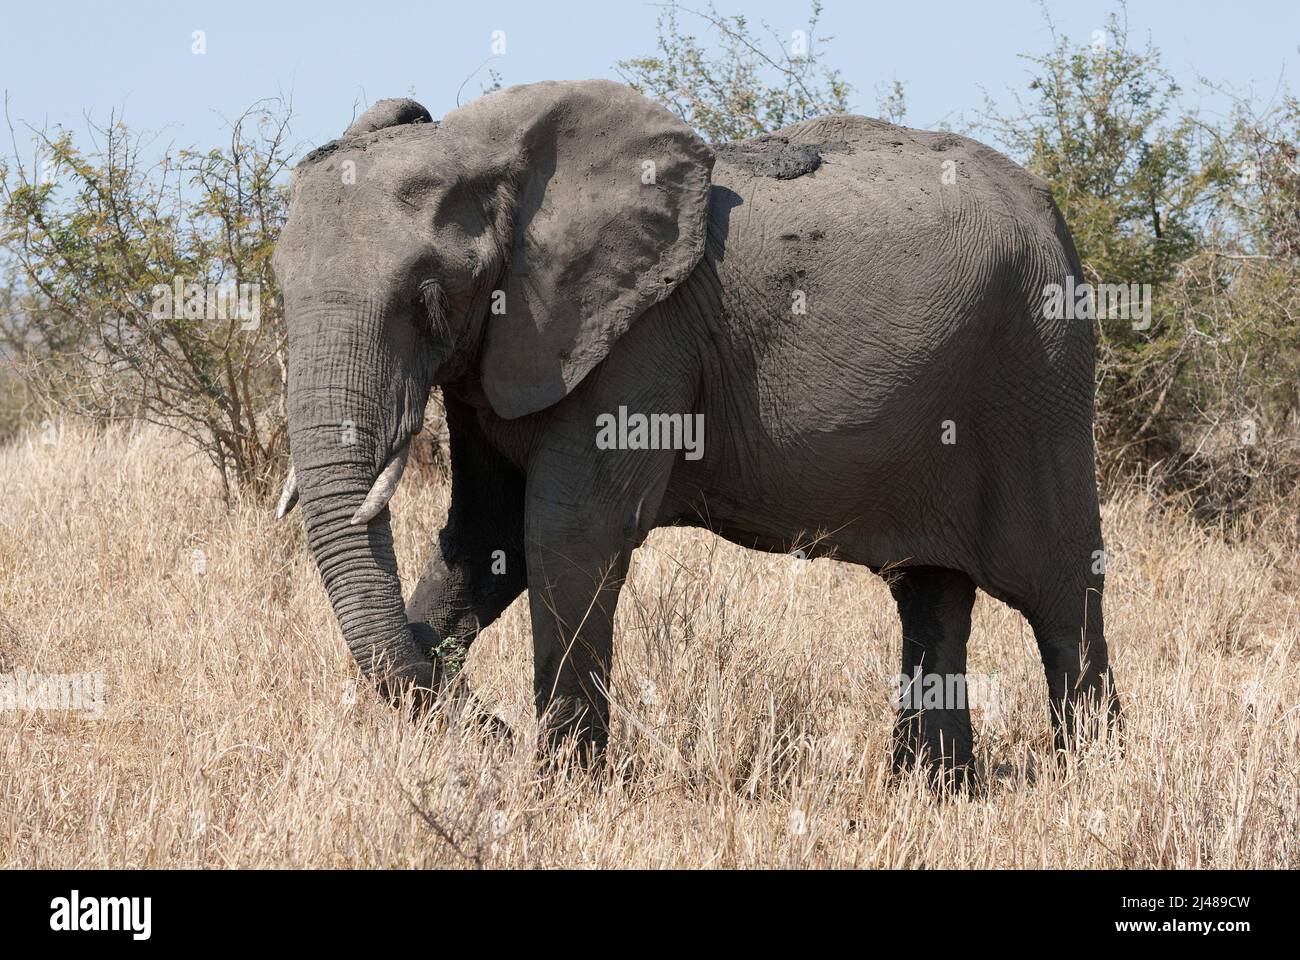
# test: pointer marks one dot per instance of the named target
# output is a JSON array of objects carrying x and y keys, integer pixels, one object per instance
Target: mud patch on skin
[
  {"x": 943, "y": 143},
  {"x": 811, "y": 235},
  {"x": 777, "y": 157},
  {"x": 321, "y": 152},
  {"x": 365, "y": 139}
]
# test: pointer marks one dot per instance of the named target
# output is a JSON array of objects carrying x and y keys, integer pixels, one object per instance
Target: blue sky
[{"x": 59, "y": 60}]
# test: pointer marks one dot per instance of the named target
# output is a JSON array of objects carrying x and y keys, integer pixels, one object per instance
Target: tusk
[
  {"x": 384, "y": 488},
  {"x": 289, "y": 497}
]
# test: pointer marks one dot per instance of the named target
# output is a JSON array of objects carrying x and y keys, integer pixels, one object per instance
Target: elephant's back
[
  {"x": 875, "y": 220},
  {"x": 842, "y": 166}
]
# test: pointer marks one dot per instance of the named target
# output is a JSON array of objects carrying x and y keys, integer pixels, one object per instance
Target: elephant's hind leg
[
  {"x": 1067, "y": 624},
  {"x": 933, "y": 724}
]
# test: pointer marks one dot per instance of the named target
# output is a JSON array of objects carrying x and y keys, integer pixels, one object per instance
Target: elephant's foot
[
  {"x": 939, "y": 741},
  {"x": 574, "y": 733},
  {"x": 469, "y": 710},
  {"x": 492, "y": 725},
  {"x": 1090, "y": 715}
]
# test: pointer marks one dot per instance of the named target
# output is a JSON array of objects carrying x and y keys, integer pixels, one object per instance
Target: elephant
[{"x": 851, "y": 312}]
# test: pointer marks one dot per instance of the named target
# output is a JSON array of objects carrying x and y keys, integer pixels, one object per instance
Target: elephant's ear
[{"x": 612, "y": 198}]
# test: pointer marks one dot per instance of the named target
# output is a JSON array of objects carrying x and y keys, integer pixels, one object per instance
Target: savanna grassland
[{"x": 752, "y": 700}]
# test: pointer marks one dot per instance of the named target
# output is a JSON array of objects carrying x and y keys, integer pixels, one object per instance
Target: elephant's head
[{"x": 511, "y": 244}]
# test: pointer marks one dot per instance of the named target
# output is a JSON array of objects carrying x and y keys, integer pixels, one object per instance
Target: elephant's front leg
[
  {"x": 585, "y": 516},
  {"x": 461, "y": 591},
  {"x": 478, "y": 566},
  {"x": 573, "y": 632},
  {"x": 464, "y": 587}
]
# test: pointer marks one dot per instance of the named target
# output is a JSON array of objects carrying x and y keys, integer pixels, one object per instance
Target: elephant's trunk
[
  {"x": 359, "y": 570},
  {"x": 341, "y": 434}
]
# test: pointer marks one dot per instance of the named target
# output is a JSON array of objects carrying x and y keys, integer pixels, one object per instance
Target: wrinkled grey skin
[{"x": 923, "y": 307}]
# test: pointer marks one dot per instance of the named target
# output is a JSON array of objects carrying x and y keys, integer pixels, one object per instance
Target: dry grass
[{"x": 753, "y": 704}]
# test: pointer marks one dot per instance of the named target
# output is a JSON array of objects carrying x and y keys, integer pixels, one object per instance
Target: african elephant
[{"x": 852, "y": 310}]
